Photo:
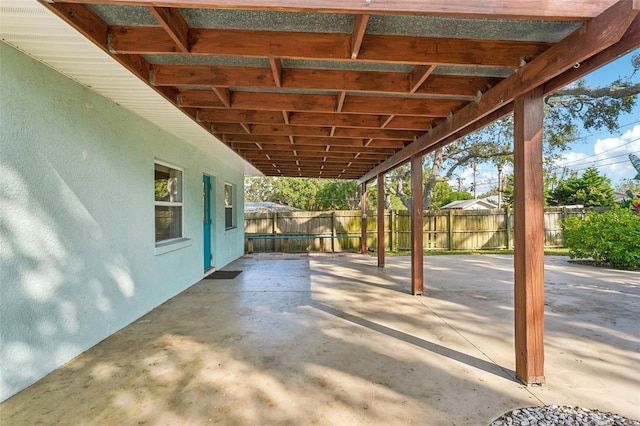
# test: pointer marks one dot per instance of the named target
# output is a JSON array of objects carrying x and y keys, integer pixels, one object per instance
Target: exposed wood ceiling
[{"x": 346, "y": 88}]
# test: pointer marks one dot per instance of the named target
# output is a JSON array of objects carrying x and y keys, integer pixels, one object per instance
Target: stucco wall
[{"x": 77, "y": 249}]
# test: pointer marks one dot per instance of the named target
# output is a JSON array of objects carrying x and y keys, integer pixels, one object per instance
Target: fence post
[
  {"x": 333, "y": 231},
  {"x": 508, "y": 226},
  {"x": 392, "y": 246},
  {"x": 274, "y": 228},
  {"x": 563, "y": 216},
  {"x": 450, "y": 228}
]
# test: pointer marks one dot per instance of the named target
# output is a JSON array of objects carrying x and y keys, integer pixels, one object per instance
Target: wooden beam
[
  {"x": 254, "y": 138},
  {"x": 335, "y": 120},
  {"x": 417, "y": 273},
  {"x": 400, "y": 106},
  {"x": 594, "y": 37},
  {"x": 549, "y": 10},
  {"x": 627, "y": 44},
  {"x": 236, "y": 116},
  {"x": 529, "y": 237},
  {"x": 224, "y": 95},
  {"x": 354, "y": 132},
  {"x": 328, "y": 46},
  {"x": 448, "y": 51},
  {"x": 356, "y": 142},
  {"x": 201, "y": 75},
  {"x": 405, "y": 122},
  {"x": 418, "y": 75},
  {"x": 356, "y": 81},
  {"x": 385, "y": 121},
  {"x": 359, "y": 28},
  {"x": 459, "y": 87},
  {"x": 260, "y": 101},
  {"x": 276, "y": 69},
  {"x": 279, "y": 130},
  {"x": 380, "y": 220},
  {"x": 174, "y": 24},
  {"x": 247, "y": 129},
  {"x": 363, "y": 218},
  {"x": 340, "y": 101}
]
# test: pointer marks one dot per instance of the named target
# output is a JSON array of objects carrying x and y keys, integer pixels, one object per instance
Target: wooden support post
[
  {"x": 363, "y": 204},
  {"x": 529, "y": 237},
  {"x": 507, "y": 215},
  {"x": 416, "y": 226},
  {"x": 381, "y": 228}
]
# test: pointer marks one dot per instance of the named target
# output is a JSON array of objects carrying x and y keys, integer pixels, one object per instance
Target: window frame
[
  {"x": 179, "y": 204},
  {"x": 230, "y": 206}
]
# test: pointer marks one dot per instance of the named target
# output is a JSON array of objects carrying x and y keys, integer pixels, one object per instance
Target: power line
[
  {"x": 601, "y": 165},
  {"x": 582, "y": 160}
]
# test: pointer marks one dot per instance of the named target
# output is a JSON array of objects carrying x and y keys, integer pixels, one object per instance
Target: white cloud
[
  {"x": 613, "y": 154},
  {"x": 610, "y": 156}
]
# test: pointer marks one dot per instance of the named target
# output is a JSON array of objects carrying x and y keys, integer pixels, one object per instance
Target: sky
[{"x": 605, "y": 150}]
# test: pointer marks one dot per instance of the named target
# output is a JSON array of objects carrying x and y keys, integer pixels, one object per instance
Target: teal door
[{"x": 206, "y": 228}]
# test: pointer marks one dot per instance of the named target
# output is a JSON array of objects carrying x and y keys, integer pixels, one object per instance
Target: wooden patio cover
[{"x": 351, "y": 89}]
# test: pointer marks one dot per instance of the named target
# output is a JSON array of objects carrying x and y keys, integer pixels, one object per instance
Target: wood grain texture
[
  {"x": 363, "y": 219},
  {"x": 380, "y": 221},
  {"x": 417, "y": 269},
  {"x": 174, "y": 24},
  {"x": 518, "y": 9},
  {"x": 529, "y": 237}
]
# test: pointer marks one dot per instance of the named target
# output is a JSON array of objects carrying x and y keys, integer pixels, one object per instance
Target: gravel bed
[{"x": 552, "y": 415}]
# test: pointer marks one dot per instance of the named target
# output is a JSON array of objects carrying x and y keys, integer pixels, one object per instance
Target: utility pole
[{"x": 459, "y": 184}]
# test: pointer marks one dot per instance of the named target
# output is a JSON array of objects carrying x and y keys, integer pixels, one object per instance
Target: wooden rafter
[
  {"x": 340, "y": 132},
  {"x": 276, "y": 69},
  {"x": 359, "y": 27},
  {"x": 549, "y": 10},
  {"x": 328, "y": 46},
  {"x": 174, "y": 24},
  {"x": 459, "y": 87},
  {"x": 598, "y": 34},
  {"x": 340, "y": 102},
  {"x": 376, "y": 114},
  {"x": 224, "y": 95},
  {"x": 418, "y": 75}
]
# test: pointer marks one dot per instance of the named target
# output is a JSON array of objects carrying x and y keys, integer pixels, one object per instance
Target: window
[
  {"x": 168, "y": 198},
  {"x": 229, "y": 217}
]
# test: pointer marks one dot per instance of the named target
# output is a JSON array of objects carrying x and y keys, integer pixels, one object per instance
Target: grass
[{"x": 547, "y": 252}]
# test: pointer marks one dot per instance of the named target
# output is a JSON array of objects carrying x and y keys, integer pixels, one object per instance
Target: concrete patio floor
[{"x": 333, "y": 340}]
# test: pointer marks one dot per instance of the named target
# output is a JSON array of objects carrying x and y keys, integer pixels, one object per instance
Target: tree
[
  {"x": 303, "y": 193},
  {"x": 338, "y": 195},
  {"x": 590, "y": 190},
  {"x": 628, "y": 185},
  {"x": 565, "y": 110},
  {"x": 441, "y": 194},
  {"x": 635, "y": 161},
  {"x": 456, "y": 196}
]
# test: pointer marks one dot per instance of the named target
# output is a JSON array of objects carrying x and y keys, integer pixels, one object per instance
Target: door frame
[{"x": 207, "y": 222}]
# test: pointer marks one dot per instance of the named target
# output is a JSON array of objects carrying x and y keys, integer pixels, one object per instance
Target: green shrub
[{"x": 612, "y": 237}]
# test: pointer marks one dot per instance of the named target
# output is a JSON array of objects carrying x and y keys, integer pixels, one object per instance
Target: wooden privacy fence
[{"x": 340, "y": 230}]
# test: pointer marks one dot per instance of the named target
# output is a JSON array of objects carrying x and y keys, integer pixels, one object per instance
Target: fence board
[{"x": 443, "y": 230}]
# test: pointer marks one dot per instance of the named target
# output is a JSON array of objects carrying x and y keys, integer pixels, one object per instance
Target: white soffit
[{"x": 34, "y": 30}]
